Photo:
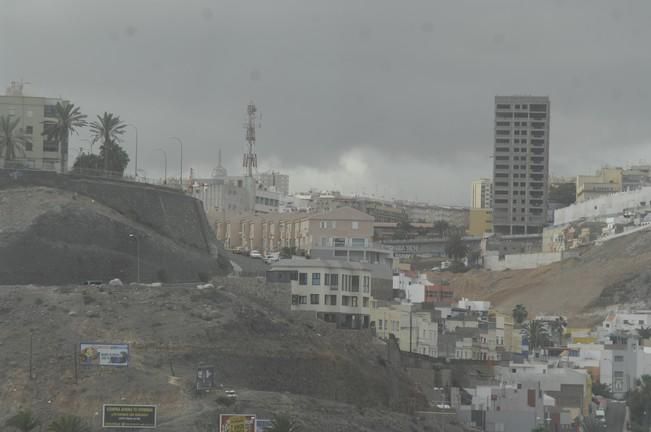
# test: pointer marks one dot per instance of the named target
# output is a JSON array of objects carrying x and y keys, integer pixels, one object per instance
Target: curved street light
[
  {"x": 137, "y": 239},
  {"x": 165, "y": 155}
]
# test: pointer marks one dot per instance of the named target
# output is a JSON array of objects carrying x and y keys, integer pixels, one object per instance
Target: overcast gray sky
[{"x": 377, "y": 96}]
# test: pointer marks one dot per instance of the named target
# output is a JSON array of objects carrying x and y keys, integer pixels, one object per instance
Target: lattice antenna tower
[{"x": 250, "y": 160}]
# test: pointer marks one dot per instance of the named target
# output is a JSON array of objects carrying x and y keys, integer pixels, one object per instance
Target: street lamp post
[
  {"x": 165, "y": 155},
  {"x": 177, "y": 139},
  {"x": 135, "y": 170},
  {"x": 134, "y": 236}
]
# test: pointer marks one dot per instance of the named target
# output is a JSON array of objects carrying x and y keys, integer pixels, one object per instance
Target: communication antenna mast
[{"x": 250, "y": 160}]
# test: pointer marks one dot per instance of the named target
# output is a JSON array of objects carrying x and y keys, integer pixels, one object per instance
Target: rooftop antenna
[{"x": 250, "y": 160}]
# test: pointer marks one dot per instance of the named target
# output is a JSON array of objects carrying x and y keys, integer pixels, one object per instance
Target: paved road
[
  {"x": 250, "y": 266},
  {"x": 615, "y": 416}
]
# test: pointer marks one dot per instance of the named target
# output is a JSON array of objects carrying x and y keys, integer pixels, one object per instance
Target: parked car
[
  {"x": 255, "y": 254},
  {"x": 271, "y": 258}
]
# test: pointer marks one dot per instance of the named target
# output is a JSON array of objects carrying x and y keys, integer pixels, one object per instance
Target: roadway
[{"x": 615, "y": 414}]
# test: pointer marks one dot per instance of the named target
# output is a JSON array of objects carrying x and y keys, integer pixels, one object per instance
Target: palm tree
[
  {"x": 455, "y": 248},
  {"x": 24, "y": 421},
  {"x": 557, "y": 327},
  {"x": 108, "y": 129},
  {"x": 283, "y": 423},
  {"x": 68, "y": 118},
  {"x": 442, "y": 227},
  {"x": 68, "y": 423},
  {"x": 12, "y": 140},
  {"x": 537, "y": 334},
  {"x": 520, "y": 314}
]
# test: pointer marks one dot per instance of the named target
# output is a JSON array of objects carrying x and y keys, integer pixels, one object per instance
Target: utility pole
[
  {"x": 177, "y": 139},
  {"x": 31, "y": 352}
]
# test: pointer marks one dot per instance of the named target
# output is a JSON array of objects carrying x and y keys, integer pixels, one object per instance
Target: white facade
[
  {"x": 414, "y": 288},
  {"x": 482, "y": 194},
  {"x": 474, "y": 305},
  {"x": 626, "y": 321},
  {"x": 606, "y": 206},
  {"x": 338, "y": 291}
]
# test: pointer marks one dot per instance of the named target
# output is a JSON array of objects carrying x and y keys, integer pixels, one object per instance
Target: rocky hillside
[
  {"x": 614, "y": 273},
  {"x": 276, "y": 361},
  {"x": 50, "y": 236}
]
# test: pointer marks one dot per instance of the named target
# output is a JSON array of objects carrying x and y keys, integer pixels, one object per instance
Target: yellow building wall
[{"x": 480, "y": 221}]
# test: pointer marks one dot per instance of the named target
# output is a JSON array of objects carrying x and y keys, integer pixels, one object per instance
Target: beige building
[
  {"x": 336, "y": 291},
  {"x": 39, "y": 153},
  {"x": 415, "y": 329},
  {"x": 606, "y": 181},
  {"x": 482, "y": 194},
  {"x": 480, "y": 221}
]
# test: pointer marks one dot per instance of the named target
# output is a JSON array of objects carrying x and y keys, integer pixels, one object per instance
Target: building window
[
  {"x": 297, "y": 299},
  {"x": 326, "y": 281},
  {"x": 314, "y": 298},
  {"x": 353, "y": 302},
  {"x": 355, "y": 225},
  {"x": 367, "y": 284},
  {"x": 619, "y": 358},
  {"x": 618, "y": 374},
  {"x": 330, "y": 300},
  {"x": 49, "y": 111},
  {"x": 29, "y": 130},
  {"x": 365, "y": 302},
  {"x": 302, "y": 278},
  {"x": 354, "y": 282},
  {"x": 316, "y": 279},
  {"x": 28, "y": 145},
  {"x": 339, "y": 242},
  {"x": 357, "y": 242},
  {"x": 293, "y": 275},
  {"x": 345, "y": 300},
  {"x": 323, "y": 224},
  {"x": 380, "y": 324},
  {"x": 50, "y": 145},
  {"x": 334, "y": 280}
]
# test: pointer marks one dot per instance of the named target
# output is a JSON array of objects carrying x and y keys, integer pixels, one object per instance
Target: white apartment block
[
  {"x": 482, "y": 194},
  {"x": 336, "y": 291}
]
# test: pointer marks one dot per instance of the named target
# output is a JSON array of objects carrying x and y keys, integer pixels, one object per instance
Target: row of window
[
  {"x": 333, "y": 224},
  {"x": 330, "y": 300},
  {"x": 348, "y": 282},
  {"x": 395, "y": 325},
  {"x": 340, "y": 242}
]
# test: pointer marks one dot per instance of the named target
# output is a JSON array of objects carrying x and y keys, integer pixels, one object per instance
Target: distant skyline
[{"x": 382, "y": 97}]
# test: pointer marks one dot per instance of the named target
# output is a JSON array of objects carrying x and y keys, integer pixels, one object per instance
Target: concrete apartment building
[
  {"x": 605, "y": 182},
  {"x": 482, "y": 194},
  {"x": 275, "y": 181},
  {"x": 39, "y": 153},
  {"x": 415, "y": 329},
  {"x": 336, "y": 291},
  {"x": 521, "y": 164}
]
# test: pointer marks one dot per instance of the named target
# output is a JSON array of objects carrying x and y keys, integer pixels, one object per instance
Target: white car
[
  {"x": 255, "y": 254},
  {"x": 271, "y": 258}
]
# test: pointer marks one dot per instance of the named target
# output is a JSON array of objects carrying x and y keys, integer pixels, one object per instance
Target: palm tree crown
[
  {"x": 537, "y": 334},
  {"x": 11, "y": 139},
  {"x": 283, "y": 423},
  {"x": 108, "y": 129},
  {"x": 68, "y": 423},
  {"x": 24, "y": 421}
]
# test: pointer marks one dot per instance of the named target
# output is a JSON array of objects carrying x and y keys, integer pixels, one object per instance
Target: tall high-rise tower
[{"x": 520, "y": 164}]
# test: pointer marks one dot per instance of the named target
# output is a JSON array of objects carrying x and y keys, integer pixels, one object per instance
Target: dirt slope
[
  {"x": 574, "y": 287},
  {"x": 334, "y": 380}
]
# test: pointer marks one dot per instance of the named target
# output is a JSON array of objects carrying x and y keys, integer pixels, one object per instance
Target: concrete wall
[
  {"x": 609, "y": 205},
  {"x": 170, "y": 212},
  {"x": 521, "y": 261}
]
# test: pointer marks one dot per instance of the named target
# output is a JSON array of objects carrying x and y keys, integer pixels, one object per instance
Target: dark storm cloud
[{"x": 407, "y": 87}]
